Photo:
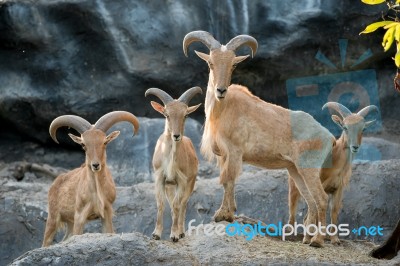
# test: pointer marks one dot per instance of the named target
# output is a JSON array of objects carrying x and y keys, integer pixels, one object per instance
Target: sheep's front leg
[
  {"x": 335, "y": 208},
  {"x": 182, "y": 209},
  {"x": 293, "y": 196},
  {"x": 80, "y": 218},
  {"x": 230, "y": 170},
  {"x": 160, "y": 198},
  {"x": 107, "y": 221},
  {"x": 175, "y": 211}
]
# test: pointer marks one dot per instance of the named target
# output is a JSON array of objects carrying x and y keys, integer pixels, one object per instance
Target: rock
[
  {"x": 137, "y": 249},
  {"x": 260, "y": 194},
  {"x": 89, "y": 58}
]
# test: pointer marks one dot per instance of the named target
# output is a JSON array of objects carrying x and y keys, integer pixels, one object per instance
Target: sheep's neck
[
  {"x": 170, "y": 153},
  {"x": 211, "y": 105},
  {"x": 97, "y": 180},
  {"x": 342, "y": 142}
]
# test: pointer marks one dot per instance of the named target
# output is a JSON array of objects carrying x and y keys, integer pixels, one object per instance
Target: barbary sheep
[
  {"x": 241, "y": 127},
  {"x": 87, "y": 192},
  {"x": 334, "y": 179},
  {"x": 175, "y": 161}
]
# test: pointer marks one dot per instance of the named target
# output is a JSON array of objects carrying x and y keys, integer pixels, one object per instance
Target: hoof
[
  {"x": 174, "y": 239},
  {"x": 306, "y": 240},
  {"x": 336, "y": 242},
  {"x": 316, "y": 244},
  {"x": 156, "y": 237},
  {"x": 182, "y": 235},
  {"x": 224, "y": 215}
]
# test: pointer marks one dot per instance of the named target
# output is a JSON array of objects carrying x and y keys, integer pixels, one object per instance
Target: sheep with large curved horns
[
  {"x": 240, "y": 127},
  {"x": 87, "y": 192}
]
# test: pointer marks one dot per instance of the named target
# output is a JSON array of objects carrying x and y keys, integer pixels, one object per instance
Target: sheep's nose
[
  {"x": 95, "y": 166},
  {"x": 354, "y": 148},
  {"x": 177, "y": 137},
  {"x": 221, "y": 90}
]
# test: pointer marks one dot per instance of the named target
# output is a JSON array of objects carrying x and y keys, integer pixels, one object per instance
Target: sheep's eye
[
  {"x": 210, "y": 65},
  {"x": 166, "y": 116},
  {"x": 83, "y": 146},
  {"x": 345, "y": 128},
  {"x": 364, "y": 129},
  {"x": 186, "y": 116},
  {"x": 234, "y": 66}
]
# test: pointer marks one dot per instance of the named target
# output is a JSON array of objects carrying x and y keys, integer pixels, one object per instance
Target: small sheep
[
  {"x": 335, "y": 178},
  {"x": 85, "y": 193},
  {"x": 175, "y": 161}
]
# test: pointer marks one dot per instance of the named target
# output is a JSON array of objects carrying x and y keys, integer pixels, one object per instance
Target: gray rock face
[
  {"x": 92, "y": 57},
  {"x": 261, "y": 194}
]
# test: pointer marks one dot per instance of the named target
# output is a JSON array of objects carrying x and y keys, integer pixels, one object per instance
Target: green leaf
[
  {"x": 388, "y": 38},
  {"x": 373, "y": 2},
  {"x": 397, "y": 59},
  {"x": 376, "y": 25}
]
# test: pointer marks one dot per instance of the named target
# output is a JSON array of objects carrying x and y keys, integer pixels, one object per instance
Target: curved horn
[
  {"x": 108, "y": 120},
  {"x": 189, "y": 94},
  {"x": 241, "y": 40},
  {"x": 162, "y": 95},
  {"x": 73, "y": 121},
  {"x": 341, "y": 109},
  {"x": 200, "y": 36},
  {"x": 366, "y": 110}
]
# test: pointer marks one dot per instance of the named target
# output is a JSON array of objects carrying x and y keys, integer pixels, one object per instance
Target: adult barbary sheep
[
  {"x": 241, "y": 127},
  {"x": 334, "y": 179},
  {"x": 175, "y": 161},
  {"x": 85, "y": 193}
]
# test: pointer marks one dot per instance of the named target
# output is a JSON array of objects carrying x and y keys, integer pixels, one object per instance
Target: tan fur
[
  {"x": 82, "y": 194},
  {"x": 337, "y": 177},
  {"x": 241, "y": 127},
  {"x": 175, "y": 165}
]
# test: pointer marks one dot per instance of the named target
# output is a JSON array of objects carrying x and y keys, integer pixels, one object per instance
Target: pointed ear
[
  {"x": 369, "y": 123},
  {"x": 239, "y": 59},
  {"x": 75, "y": 138},
  {"x": 191, "y": 109},
  {"x": 203, "y": 56},
  {"x": 113, "y": 135},
  {"x": 337, "y": 120},
  {"x": 158, "y": 107}
]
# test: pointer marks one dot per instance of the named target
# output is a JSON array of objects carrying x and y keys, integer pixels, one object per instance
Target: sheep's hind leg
[
  {"x": 50, "y": 231},
  {"x": 314, "y": 185},
  {"x": 312, "y": 208},
  {"x": 293, "y": 197},
  {"x": 68, "y": 232}
]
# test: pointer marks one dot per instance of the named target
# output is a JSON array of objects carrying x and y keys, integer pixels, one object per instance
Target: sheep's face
[
  {"x": 353, "y": 127},
  {"x": 175, "y": 112},
  {"x": 221, "y": 62},
  {"x": 94, "y": 144}
]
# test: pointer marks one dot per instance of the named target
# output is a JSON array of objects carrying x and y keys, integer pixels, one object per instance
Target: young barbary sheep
[
  {"x": 241, "y": 127},
  {"x": 85, "y": 193},
  {"x": 174, "y": 161},
  {"x": 335, "y": 178}
]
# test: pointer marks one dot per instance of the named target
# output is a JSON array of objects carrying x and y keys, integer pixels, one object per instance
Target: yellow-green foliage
[{"x": 392, "y": 28}]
